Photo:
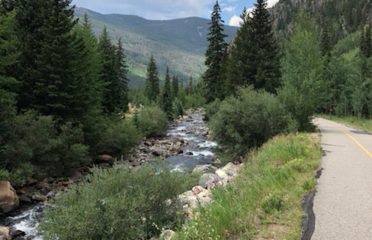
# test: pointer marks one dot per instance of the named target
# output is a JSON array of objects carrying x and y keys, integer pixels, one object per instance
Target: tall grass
[
  {"x": 264, "y": 202},
  {"x": 360, "y": 123}
]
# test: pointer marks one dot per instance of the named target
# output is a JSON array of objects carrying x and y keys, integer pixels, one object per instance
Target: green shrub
[
  {"x": 194, "y": 100},
  {"x": 117, "y": 204},
  {"x": 19, "y": 176},
  {"x": 119, "y": 138},
  {"x": 178, "y": 109},
  {"x": 273, "y": 202},
  {"x": 36, "y": 140},
  {"x": 249, "y": 120},
  {"x": 4, "y": 175},
  {"x": 152, "y": 121},
  {"x": 211, "y": 109}
]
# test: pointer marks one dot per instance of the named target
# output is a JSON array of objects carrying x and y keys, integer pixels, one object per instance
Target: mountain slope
[
  {"x": 179, "y": 44},
  {"x": 340, "y": 16}
]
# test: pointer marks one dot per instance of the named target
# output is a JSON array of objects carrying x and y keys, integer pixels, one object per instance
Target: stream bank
[{"x": 185, "y": 148}]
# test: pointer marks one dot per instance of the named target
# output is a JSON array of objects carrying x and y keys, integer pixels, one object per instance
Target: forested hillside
[
  {"x": 179, "y": 44},
  {"x": 340, "y": 16}
]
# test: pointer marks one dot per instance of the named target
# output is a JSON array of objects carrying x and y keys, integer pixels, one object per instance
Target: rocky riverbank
[{"x": 186, "y": 147}]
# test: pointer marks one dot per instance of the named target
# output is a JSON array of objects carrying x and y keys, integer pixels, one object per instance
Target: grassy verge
[
  {"x": 360, "y": 123},
  {"x": 265, "y": 201}
]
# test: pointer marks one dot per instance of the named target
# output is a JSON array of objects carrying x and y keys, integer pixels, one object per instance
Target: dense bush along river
[{"x": 196, "y": 150}]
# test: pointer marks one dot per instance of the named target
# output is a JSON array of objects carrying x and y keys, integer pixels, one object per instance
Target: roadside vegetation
[
  {"x": 359, "y": 123},
  {"x": 264, "y": 202},
  {"x": 119, "y": 203}
]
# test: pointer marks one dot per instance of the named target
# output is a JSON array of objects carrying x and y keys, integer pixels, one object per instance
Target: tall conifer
[
  {"x": 108, "y": 73},
  {"x": 121, "y": 90},
  {"x": 152, "y": 90},
  {"x": 214, "y": 56},
  {"x": 176, "y": 87},
  {"x": 167, "y": 96}
]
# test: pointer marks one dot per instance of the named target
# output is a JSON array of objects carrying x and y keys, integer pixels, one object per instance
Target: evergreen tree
[
  {"x": 254, "y": 55},
  {"x": 266, "y": 52},
  {"x": 9, "y": 55},
  {"x": 176, "y": 86},
  {"x": 108, "y": 71},
  {"x": 92, "y": 86},
  {"x": 167, "y": 96},
  {"x": 214, "y": 56},
  {"x": 325, "y": 44},
  {"x": 366, "y": 42},
  {"x": 239, "y": 69},
  {"x": 58, "y": 87},
  {"x": 120, "y": 89},
  {"x": 30, "y": 18},
  {"x": 190, "y": 87},
  {"x": 152, "y": 90}
]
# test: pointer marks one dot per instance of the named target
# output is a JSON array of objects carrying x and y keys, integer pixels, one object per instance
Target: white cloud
[{"x": 235, "y": 21}]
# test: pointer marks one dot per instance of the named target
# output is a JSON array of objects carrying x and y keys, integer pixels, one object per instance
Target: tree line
[{"x": 307, "y": 73}]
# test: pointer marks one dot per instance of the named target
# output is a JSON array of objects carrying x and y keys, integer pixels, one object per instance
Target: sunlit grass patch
[{"x": 265, "y": 201}]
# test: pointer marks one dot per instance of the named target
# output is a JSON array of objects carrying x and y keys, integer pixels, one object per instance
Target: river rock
[
  {"x": 105, "y": 158},
  {"x": 222, "y": 174},
  {"x": 203, "y": 195},
  {"x": 167, "y": 235},
  {"x": 209, "y": 180},
  {"x": 25, "y": 199},
  {"x": 39, "y": 197},
  {"x": 4, "y": 233},
  {"x": 231, "y": 169},
  {"x": 188, "y": 200},
  {"x": 8, "y": 197},
  {"x": 201, "y": 169},
  {"x": 17, "y": 234}
]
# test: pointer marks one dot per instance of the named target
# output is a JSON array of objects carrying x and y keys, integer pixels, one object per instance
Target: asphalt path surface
[{"x": 343, "y": 201}]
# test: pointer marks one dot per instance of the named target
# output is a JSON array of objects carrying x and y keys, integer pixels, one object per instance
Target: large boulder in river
[
  {"x": 208, "y": 180},
  {"x": 105, "y": 159},
  {"x": 8, "y": 197},
  {"x": 4, "y": 233},
  {"x": 201, "y": 169}
]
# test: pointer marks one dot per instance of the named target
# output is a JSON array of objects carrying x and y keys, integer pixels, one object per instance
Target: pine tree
[
  {"x": 58, "y": 84},
  {"x": 9, "y": 55},
  {"x": 325, "y": 44},
  {"x": 120, "y": 91},
  {"x": 214, "y": 56},
  {"x": 254, "y": 54},
  {"x": 190, "y": 87},
  {"x": 167, "y": 96},
  {"x": 30, "y": 18},
  {"x": 176, "y": 87},
  {"x": 264, "y": 50},
  {"x": 91, "y": 92},
  {"x": 366, "y": 42},
  {"x": 152, "y": 90},
  {"x": 108, "y": 73},
  {"x": 239, "y": 70}
]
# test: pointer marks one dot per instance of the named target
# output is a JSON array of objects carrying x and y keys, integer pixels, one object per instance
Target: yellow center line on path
[{"x": 358, "y": 144}]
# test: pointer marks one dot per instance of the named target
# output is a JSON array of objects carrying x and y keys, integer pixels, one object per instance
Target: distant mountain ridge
[{"x": 179, "y": 43}]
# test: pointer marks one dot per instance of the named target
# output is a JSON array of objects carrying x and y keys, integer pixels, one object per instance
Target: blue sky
[{"x": 170, "y": 9}]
